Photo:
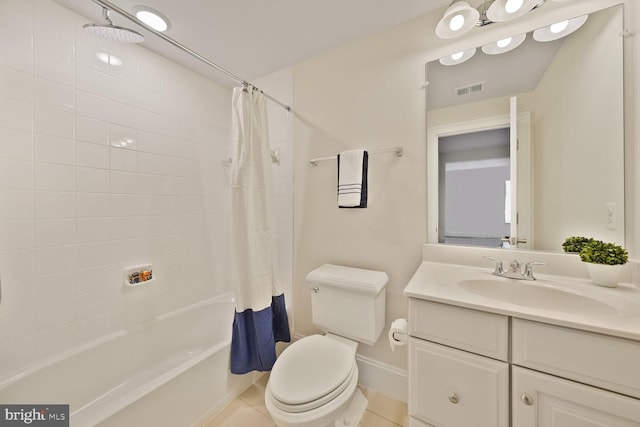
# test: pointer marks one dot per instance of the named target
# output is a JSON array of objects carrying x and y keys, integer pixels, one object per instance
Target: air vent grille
[{"x": 469, "y": 89}]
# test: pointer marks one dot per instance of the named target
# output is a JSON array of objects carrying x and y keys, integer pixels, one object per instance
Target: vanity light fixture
[
  {"x": 504, "y": 45},
  {"x": 458, "y": 57},
  {"x": 458, "y": 19},
  {"x": 151, "y": 17},
  {"x": 505, "y": 10},
  {"x": 559, "y": 29}
]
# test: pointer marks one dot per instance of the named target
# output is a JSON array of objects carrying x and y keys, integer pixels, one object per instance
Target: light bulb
[
  {"x": 559, "y": 27},
  {"x": 504, "y": 42},
  {"x": 456, "y": 22},
  {"x": 512, "y": 6},
  {"x": 457, "y": 55}
]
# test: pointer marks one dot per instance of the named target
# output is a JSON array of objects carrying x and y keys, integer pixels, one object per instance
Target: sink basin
[{"x": 535, "y": 295}]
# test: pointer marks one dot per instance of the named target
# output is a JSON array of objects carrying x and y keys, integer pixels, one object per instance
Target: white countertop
[{"x": 435, "y": 281}]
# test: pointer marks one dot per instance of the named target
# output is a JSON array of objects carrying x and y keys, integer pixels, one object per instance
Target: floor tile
[
  {"x": 239, "y": 413},
  {"x": 386, "y": 407},
  {"x": 370, "y": 419}
]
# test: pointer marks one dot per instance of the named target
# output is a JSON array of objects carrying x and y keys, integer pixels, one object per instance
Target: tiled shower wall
[{"x": 103, "y": 167}]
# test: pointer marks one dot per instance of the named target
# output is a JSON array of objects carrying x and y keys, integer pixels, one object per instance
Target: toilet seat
[{"x": 311, "y": 373}]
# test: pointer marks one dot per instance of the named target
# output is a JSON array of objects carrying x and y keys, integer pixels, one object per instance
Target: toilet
[{"x": 314, "y": 381}]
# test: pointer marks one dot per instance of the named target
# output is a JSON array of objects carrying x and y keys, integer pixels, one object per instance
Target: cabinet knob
[
  {"x": 453, "y": 398},
  {"x": 526, "y": 399}
]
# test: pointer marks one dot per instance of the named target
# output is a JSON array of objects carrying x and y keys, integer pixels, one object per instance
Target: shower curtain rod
[{"x": 108, "y": 5}]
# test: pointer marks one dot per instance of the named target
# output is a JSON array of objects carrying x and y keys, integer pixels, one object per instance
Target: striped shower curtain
[{"x": 260, "y": 319}]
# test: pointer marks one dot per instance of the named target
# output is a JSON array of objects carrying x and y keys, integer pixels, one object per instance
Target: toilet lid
[{"x": 311, "y": 369}]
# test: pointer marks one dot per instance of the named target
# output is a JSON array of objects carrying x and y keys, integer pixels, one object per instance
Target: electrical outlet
[{"x": 611, "y": 222}]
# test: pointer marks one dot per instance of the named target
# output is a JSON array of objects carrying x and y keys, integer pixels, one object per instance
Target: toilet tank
[{"x": 348, "y": 301}]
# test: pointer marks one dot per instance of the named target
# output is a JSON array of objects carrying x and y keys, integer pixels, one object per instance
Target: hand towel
[{"x": 352, "y": 178}]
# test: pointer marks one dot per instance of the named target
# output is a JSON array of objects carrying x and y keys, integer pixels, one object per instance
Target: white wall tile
[
  {"x": 16, "y": 114},
  {"x": 17, "y": 264},
  {"x": 91, "y": 105},
  {"x": 92, "y": 130},
  {"x": 49, "y": 204},
  {"x": 54, "y": 259},
  {"x": 54, "y": 232},
  {"x": 125, "y": 228},
  {"x": 92, "y": 205},
  {"x": 16, "y": 54},
  {"x": 16, "y": 174},
  {"x": 91, "y": 80},
  {"x": 16, "y": 324},
  {"x": 55, "y": 39},
  {"x": 54, "y": 287},
  {"x": 53, "y": 67},
  {"x": 16, "y": 204},
  {"x": 55, "y": 314},
  {"x": 16, "y": 84},
  {"x": 16, "y": 19},
  {"x": 53, "y": 177},
  {"x": 123, "y": 160},
  {"x": 53, "y": 122},
  {"x": 16, "y": 144},
  {"x": 123, "y": 182},
  {"x": 48, "y": 93},
  {"x": 92, "y": 230},
  {"x": 92, "y": 155},
  {"x": 16, "y": 234},
  {"x": 17, "y": 295},
  {"x": 90, "y": 180},
  {"x": 52, "y": 149},
  {"x": 92, "y": 254}
]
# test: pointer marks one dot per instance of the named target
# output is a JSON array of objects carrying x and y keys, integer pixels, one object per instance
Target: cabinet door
[
  {"x": 540, "y": 400},
  {"x": 453, "y": 388}
]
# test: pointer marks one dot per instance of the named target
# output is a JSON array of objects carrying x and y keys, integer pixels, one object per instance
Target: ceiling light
[
  {"x": 107, "y": 58},
  {"x": 504, "y": 45},
  {"x": 559, "y": 30},
  {"x": 458, "y": 19},
  {"x": 151, "y": 17},
  {"x": 458, "y": 57}
]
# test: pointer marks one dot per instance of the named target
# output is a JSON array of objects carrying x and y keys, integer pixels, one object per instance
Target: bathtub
[{"x": 172, "y": 371}]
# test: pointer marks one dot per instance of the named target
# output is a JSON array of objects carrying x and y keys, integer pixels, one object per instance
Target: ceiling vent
[{"x": 469, "y": 89}]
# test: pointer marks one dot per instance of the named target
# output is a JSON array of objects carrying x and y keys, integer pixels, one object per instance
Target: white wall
[{"x": 76, "y": 207}]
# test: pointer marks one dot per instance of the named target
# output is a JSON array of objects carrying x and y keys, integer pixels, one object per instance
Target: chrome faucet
[{"x": 515, "y": 270}]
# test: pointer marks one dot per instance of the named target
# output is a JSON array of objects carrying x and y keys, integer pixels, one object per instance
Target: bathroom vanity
[{"x": 489, "y": 351}]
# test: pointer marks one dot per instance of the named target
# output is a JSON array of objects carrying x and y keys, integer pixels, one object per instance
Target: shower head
[{"x": 113, "y": 32}]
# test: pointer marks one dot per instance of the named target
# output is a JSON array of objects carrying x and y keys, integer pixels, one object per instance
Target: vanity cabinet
[{"x": 470, "y": 368}]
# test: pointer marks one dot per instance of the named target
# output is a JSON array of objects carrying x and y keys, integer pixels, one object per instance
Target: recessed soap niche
[{"x": 138, "y": 275}]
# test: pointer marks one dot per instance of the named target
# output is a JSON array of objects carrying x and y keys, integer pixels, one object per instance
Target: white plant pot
[{"x": 604, "y": 275}]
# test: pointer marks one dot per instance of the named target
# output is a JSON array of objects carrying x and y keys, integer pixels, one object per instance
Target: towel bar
[{"x": 398, "y": 151}]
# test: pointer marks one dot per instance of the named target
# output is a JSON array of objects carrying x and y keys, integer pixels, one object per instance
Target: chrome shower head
[{"x": 113, "y": 32}]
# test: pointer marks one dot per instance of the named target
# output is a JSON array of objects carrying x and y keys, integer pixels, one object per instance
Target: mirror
[{"x": 570, "y": 139}]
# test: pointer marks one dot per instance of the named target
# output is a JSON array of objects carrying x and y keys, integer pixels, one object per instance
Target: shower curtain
[{"x": 260, "y": 319}]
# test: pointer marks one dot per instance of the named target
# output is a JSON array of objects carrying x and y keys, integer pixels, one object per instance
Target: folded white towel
[{"x": 352, "y": 179}]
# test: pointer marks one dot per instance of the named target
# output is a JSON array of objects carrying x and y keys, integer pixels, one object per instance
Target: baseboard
[{"x": 386, "y": 379}]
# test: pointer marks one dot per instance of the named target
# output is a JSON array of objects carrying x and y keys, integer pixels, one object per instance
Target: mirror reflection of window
[{"x": 474, "y": 168}]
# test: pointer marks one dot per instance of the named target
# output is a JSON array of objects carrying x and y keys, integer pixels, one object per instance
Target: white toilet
[{"x": 314, "y": 381}]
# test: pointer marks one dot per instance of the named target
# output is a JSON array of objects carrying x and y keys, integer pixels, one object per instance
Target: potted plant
[
  {"x": 575, "y": 244},
  {"x": 604, "y": 261}
]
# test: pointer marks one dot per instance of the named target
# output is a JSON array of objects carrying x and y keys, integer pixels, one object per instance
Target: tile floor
[{"x": 249, "y": 410}]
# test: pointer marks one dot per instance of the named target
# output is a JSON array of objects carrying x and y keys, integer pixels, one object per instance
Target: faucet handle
[
  {"x": 528, "y": 269},
  {"x": 498, "y": 269}
]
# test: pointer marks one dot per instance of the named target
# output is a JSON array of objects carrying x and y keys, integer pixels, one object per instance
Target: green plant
[
  {"x": 575, "y": 243},
  {"x": 598, "y": 252}
]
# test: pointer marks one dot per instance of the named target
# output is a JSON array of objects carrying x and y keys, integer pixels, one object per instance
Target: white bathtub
[{"x": 173, "y": 371}]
